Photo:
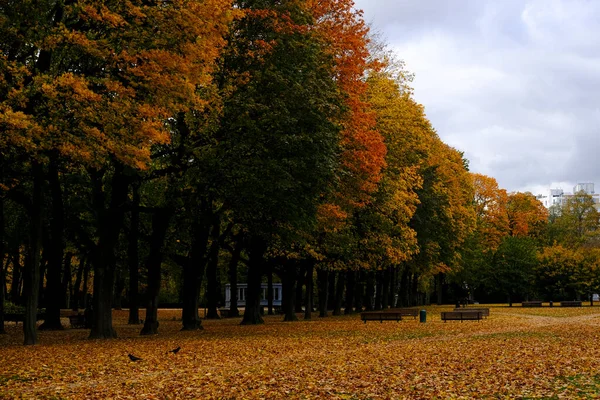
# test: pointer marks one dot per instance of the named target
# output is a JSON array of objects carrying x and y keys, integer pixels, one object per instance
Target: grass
[{"x": 515, "y": 353}]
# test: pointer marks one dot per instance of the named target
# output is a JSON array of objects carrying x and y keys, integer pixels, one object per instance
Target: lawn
[{"x": 517, "y": 352}]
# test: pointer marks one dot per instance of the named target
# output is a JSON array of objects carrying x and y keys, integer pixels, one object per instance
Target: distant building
[
  {"x": 242, "y": 289},
  {"x": 553, "y": 197}
]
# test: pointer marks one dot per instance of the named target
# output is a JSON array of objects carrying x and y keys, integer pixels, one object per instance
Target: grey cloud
[{"x": 512, "y": 83}]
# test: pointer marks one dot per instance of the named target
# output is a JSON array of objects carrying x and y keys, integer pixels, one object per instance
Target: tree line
[{"x": 161, "y": 146}]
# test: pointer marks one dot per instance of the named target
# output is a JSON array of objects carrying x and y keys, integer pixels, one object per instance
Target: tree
[
  {"x": 576, "y": 221},
  {"x": 77, "y": 92},
  {"x": 513, "y": 265},
  {"x": 527, "y": 215},
  {"x": 278, "y": 136}
]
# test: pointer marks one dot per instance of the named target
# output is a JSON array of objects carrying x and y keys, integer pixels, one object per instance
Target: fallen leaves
[{"x": 516, "y": 352}]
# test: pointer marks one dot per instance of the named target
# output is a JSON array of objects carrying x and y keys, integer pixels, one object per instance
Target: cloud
[{"x": 514, "y": 84}]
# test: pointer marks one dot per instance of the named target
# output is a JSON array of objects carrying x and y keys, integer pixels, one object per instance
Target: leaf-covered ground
[{"x": 515, "y": 353}]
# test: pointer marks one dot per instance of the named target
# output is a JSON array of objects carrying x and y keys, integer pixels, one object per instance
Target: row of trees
[
  {"x": 158, "y": 146},
  {"x": 519, "y": 249}
]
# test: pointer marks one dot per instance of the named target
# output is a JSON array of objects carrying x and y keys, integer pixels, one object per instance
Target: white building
[
  {"x": 553, "y": 197},
  {"x": 242, "y": 289}
]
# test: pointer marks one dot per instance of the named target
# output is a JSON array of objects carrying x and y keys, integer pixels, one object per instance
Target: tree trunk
[
  {"x": 350, "y": 286},
  {"x": 438, "y": 281},
  {"x": 270, "y": 290},
  {"x": 17, "y": 278},
  {"x": 300, "y": 282},
  {"x": 385, "y": 289},
  {"x": 84, "y": 289},
  {"x": 310, "y": 266},
  {"x": 331, "y": 290},
  {"x": 403, "y": 293},
  {"x": 160, "y": 224},
  {"x": 288, "y": 291},
  {"x": 359, "y": 293},
  {"x": 193, "y": 272},
  {"x": 256, "y": 250},
  {"x": 109, "y": 224},
  {"x": 76, "y": 298},
  {"x": 233, "y": 264},
  {"x": 370, "y": 291},
  {"x": 54, "y": 293},
  {"x": 392, "y": 293},
  {"x": 2, "y": 269},
  {"x": 133, "y": 257},
  {"x": 67, "y": 283},
  {"x": 119, "y": 287},
  {"x": 323, "y": 289},
  {"x": 339, "y": 293},
  {"x": 213, "y": 284},
  {"x": 32, "y": 266}
]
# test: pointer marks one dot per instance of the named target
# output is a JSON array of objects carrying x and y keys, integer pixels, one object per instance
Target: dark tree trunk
[
  {"x": 193, "y": 272},
  {"x": 392, "y": 292},
  {"x": 385, "y": 289},
  {"x": 339, "y": 293},
  {"x": 54, "y": 292},
  {"x": 359, "y": 294},
  {"x": 76, "y": 298},
  {"x": 403, "y": 298},
  {"x": 212, "y": 289},
  {"x": 256, "y": 250},
  {"x": 331, "y": 290},
  {"x": 32, "y": 266},
  {"x": 438, "y": 286},
  {"x": 2, "y": 269},
  {"x": 323, "y": 289},
  {"x": 17, "y": 278},
  {"x": 270, "y": 290},
  {"x": 133, "y": 257},
  {"x": 233, "y": 264},
  {"x": 119, "y": 287},
  {"x": 350, "y": 287},
  {"x": 84, "y": 289},
  {"x": 300, "y": 282},
  {"x": 109, "y": 224},
  {"x": 370, "y": 291},
  {"x": 415, "y": 290},
  {"x": 309, "y": 266},
  {"x": 160, "y": 224},
  {"x": 378, "y": 293},
  {"x": 67, "y": 283},
  {"x": 288, "y": 291}
]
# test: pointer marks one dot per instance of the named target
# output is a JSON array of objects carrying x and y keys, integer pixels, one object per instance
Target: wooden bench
[
  {"x": 531, "y": 304},
  {"x": 485, "y": 312},
  {"x": 570, "y": 303},
  {"x": 405, "y": 312},
  {"x": 77, "y": 321},
  {"x": 381, "y": 316},
  {"x": 462, "y": 316}
]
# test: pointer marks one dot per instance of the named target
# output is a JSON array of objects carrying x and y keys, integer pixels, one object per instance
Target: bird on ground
[
  {"x": 174, "y": 351},
  {"x": 134, "y": 358}
]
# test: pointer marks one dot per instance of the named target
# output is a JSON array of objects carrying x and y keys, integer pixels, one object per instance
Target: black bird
[
  {"x": 134, "y": 358},
  {"x": 174, "y": 351}
]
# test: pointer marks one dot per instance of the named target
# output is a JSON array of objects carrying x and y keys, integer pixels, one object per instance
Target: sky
[{"x": 515, "y": 84}]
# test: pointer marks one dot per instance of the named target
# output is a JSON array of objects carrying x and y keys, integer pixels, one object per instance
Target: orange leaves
[
  {"x": 527, "y": 215},
  {"x": 491, "y": 210},
  {"x": 516, "y": 352},
  {"x": 344, "y": 32}
]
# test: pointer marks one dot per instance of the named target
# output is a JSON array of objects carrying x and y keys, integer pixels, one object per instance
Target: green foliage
[{"x": 513, "y": 266}]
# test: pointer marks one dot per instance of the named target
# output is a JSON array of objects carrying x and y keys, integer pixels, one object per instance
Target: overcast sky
[{"x": 515, "y": 84}]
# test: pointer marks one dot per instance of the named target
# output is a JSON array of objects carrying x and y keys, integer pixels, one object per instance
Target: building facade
[{"x": 557, "y": 197}]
